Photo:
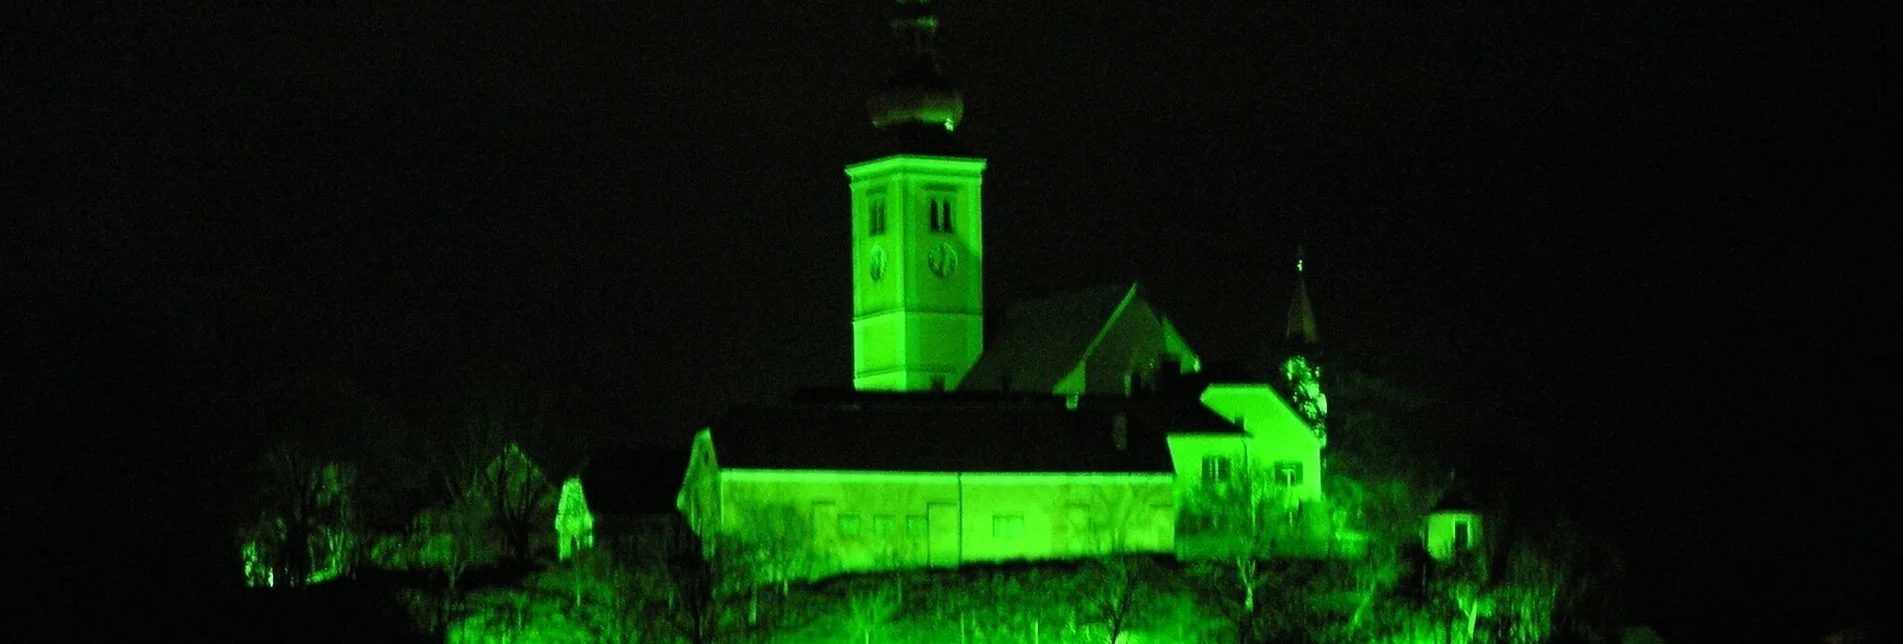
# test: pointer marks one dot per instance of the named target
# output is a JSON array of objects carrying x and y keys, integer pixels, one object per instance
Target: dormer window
[{"x": 938, "y": 211}]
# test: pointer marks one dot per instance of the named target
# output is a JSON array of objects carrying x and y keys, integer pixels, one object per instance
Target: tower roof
[
  {"x": 915, "y": 105},
  {"x": 1301, "y": 314}
]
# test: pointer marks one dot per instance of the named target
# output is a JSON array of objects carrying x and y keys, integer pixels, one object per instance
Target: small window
[
  {"x": 1461, "y": 535},
  {"x": 915, "y": 526},
  {"x": 1216, "y": 469},
  {"x": 849, "y": 525},
  {"x": 1077, "y": 518},
  {"x": 1007, "y": 526},
  {"x": 884, "y": 525},
  {"x": 1288, "y": 473},
  {"x": 875, "y": 214},
  {"x": 938, "y": 210}
]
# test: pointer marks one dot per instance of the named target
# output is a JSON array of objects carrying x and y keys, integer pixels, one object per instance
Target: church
[{"x": 1087, "y": 426}]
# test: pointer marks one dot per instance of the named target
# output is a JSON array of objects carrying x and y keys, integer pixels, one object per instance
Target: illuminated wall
[
  {"x": 1451, "y": 531},
  {"x": 917, "y": 271},
  {"x": 1277, "y": 435},
  {"x": 859, "y": 521}
]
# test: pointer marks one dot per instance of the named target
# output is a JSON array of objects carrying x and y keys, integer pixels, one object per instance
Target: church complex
[{"x": 1087, "y": 426}]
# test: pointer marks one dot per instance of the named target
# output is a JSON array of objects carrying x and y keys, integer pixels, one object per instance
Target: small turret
[{"x": 1453, "y": 526}]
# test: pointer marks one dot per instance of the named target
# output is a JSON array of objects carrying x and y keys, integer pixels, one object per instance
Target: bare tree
[
  {"x": 305, "y": 530},
  {"x": 871, "y": 609},
  {"x": 482, "y": 469},
  {"x": 699, "y": 610},
  {"x": 519, "y": 500}
]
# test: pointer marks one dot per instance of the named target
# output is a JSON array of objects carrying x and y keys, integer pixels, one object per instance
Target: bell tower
[{"x": 917, "y": 228}]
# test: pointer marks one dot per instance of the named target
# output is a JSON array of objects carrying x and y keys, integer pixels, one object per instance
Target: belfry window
[
  {"x": 875, "y": 214},
  {"x": 938, "y": 209}
]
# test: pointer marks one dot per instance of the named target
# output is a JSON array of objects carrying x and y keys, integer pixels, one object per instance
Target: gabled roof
[
  {"x": 1043, "y": 340},
  {"x": 1455, "y": 500},
  {"x": 1165, "y": 412},
  {"x": 634, "y": 480},
  {"x": 929, "y": 433}
]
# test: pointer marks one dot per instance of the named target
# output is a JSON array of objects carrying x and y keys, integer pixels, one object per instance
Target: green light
[{"x": 574, "y": 524}]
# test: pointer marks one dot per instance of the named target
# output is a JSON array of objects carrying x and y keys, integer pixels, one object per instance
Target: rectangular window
[
  {"x": 1288, "y": 473},
  {"x": 1216, "y": 469},
  {"x": 1007, "y": 526},
  {"x": 848, "y": 525},
  {"x": 1461, "y": 535},
  {"x": 1077, "y": 518},
  {"x": 915, "y": 526},
  {"x": 884, "y": 525}
]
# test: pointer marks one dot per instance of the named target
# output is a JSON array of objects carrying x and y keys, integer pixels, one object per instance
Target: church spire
[
  {"x": 1301, "y": 371},
  {"x": 1301, "y": 315},
  {"x": 915, "y": 104}
]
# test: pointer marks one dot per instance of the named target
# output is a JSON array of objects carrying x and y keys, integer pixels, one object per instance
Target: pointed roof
[
  {"x": 634, "y": 480},
  {"x": 1301, "y": 314},
  {"x": 1043, "y": 340},
  {"x": 1456, "y": 500}
]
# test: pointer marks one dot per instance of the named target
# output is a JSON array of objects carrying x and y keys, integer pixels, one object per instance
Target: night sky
[{"x": 1622, "y": 238}]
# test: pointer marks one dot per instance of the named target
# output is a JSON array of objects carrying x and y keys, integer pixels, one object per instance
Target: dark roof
[
  {"x": 928, "y": 139},
  {"x": 1456, "y": 500},
  {"x": 1179, "y": 410},
  {"x": 933, "y": 433},
  {"x": 1042, "y": 340},
  {"x": 634, "y": 481}
]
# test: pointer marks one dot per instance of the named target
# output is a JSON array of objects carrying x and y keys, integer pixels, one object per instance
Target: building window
[
  {"x": 1007, "y": 526},
  {"x": 1216, "y": 469},
  {"x": 848, "y": 525},
  {"x": 938, "y": 209},
  {"x": 1461, "y": 535},
  {"x": 884, "y": 525},
  {"x": 915, "y": 526},
  {"x": 875, "y": 214},
  {"x": 1287, "y": 473}
]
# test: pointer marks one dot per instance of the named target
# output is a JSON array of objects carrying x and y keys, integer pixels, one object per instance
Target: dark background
[{"x": 1633, "y": 243}]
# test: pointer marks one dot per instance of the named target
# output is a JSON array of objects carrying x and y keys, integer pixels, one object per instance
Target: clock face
[
  {"x": 942, "y": 259},
  {"x": 875, "y": 263}
]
